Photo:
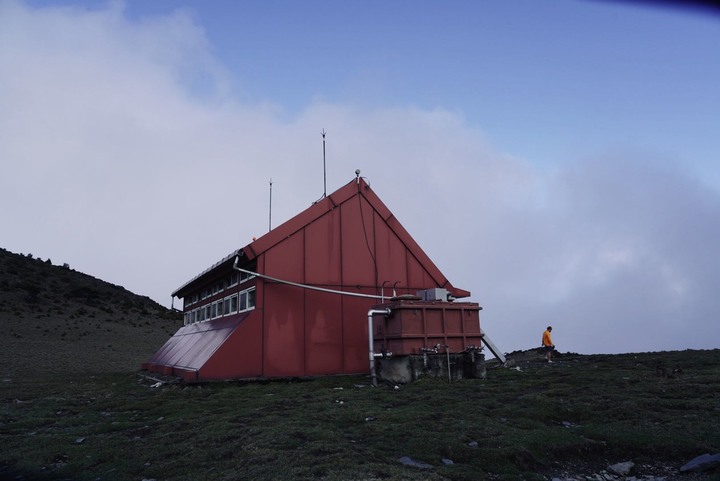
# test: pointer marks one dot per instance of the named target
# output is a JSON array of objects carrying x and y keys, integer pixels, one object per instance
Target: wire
[{"x": 367, "y": 242}]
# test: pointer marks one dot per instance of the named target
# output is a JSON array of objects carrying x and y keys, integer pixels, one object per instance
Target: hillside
[
  {"x": 56, "y": 319},
  {"x": 74, "y": 406}
]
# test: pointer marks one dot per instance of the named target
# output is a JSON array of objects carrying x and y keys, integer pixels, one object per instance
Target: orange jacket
[{"x": 546, "y": 340}]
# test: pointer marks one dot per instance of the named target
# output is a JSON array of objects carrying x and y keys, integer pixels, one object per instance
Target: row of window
[
  {"x": 232, "y": 280},
  {"x": 240, "y": 302}
]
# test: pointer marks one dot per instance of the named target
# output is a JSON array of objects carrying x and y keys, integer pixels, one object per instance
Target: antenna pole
[
  {"x": 324, "y": 171},
  {"x": 270, "y": 214}
]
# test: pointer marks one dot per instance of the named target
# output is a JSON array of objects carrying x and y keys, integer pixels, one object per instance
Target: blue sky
[
  {"x": 594, "y": 74},
  {"x": 565, "y": 151}
]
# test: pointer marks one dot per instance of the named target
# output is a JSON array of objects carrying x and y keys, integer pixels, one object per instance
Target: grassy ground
[
  {"x": 575, "y": 416},
  {"x": 74, "y": 407}
]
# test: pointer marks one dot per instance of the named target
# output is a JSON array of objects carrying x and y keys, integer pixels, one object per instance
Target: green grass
[{"x": 584, "y": 412}]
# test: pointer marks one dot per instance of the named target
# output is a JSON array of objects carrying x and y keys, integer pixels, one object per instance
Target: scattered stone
[
  {"x": 79, "y": 440},
  {"x": 408, "y": 461},
  {"x": 473, "y": 444},
  {"x": 704, "y": 462},
  {"x": 621, "y": 469},
  {"x": 447, "y": 462},
  {"x": 370, "y": 419},
  {"x": 567, "y": 424}
]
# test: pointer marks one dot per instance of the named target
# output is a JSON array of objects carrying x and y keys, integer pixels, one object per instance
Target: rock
[
  {"x": 79, "y": 440},
  {"x": 704, "y": 462},
  {"x": 473, "y": 444},
  {"x": 447, "y": 462},
  {"x": 408, "y": 461},
  {"x": 621, "y": 469}
]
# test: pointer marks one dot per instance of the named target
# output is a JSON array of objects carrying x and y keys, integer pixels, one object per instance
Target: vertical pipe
[
  {"x": 371, "y": 342},
  {"x": 447, "y": 351}
]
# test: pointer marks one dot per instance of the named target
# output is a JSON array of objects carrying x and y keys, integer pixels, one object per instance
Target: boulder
[{"x": 704, "y": 462}]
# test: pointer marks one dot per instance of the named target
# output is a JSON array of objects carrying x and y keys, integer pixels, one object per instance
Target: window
[
  {"x": 234, "y": 303},
  {"x": 226, "y": 306},
  {"x": 233, "y": 279},
  {"x": 251, "y": 298},
  {"x": 243, "y": 301},
  {"x": 247, "y": 299}
]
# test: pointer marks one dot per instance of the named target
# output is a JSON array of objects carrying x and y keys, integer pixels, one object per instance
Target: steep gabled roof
[{"x": 357, "y": 187}]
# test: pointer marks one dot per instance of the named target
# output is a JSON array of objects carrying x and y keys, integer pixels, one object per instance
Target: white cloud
[{"x": 125, "y": 155}]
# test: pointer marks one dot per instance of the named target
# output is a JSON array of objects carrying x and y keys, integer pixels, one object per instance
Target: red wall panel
[
  {"x": 323, "y": 334},
  {"x": 284, "y": 332},
  {"x": 357, "y": 244},
  {"x": 285, "y": 260},
  {"x": 355, "y": 334},
  {"x": 391, "y": 257},
  {"x": 240, "y": 356},
  {"x": 322, "y": 250}
]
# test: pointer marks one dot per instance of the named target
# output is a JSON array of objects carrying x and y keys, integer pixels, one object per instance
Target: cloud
[{"x": 126, "y": 155}]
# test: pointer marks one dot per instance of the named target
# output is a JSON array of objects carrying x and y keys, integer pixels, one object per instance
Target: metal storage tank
[{"x": 427, "y": 334}]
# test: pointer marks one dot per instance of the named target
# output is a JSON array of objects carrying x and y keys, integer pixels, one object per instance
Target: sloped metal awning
[{"x": 193, "y": 345}]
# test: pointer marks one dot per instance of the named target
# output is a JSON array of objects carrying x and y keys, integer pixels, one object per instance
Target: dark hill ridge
[{"x": 55, "y": 319}]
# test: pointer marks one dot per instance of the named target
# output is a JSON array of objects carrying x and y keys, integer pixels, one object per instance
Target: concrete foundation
[{"x": 406, "y": 369}]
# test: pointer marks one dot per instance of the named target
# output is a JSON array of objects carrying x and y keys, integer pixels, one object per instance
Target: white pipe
[
  {"x": 304, "y": 286},
  {"x": 371, "y": 341}
]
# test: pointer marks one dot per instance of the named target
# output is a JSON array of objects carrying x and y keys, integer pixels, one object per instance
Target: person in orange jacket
[{"x": 547, "y": 343}]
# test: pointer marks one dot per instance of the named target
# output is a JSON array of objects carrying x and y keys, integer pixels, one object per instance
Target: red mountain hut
[{"x": 341, "y": 288}]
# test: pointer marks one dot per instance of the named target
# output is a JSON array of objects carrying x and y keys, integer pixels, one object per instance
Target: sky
[{"x": 557, "y": 159}]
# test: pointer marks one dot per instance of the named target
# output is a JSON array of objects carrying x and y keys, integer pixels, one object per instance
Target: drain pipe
[{"x": 371, "y": 341}]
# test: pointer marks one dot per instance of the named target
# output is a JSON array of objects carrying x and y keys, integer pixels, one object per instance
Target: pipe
[
  {"x": 304, "y": 286},
  {"x": 371, "y": 341},
  {"x": 447, "y": 351}
]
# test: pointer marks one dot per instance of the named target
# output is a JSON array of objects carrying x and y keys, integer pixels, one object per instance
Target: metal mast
[
  {"x": 324, "y": 171},
  {"x": 270, "y": 210}
]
